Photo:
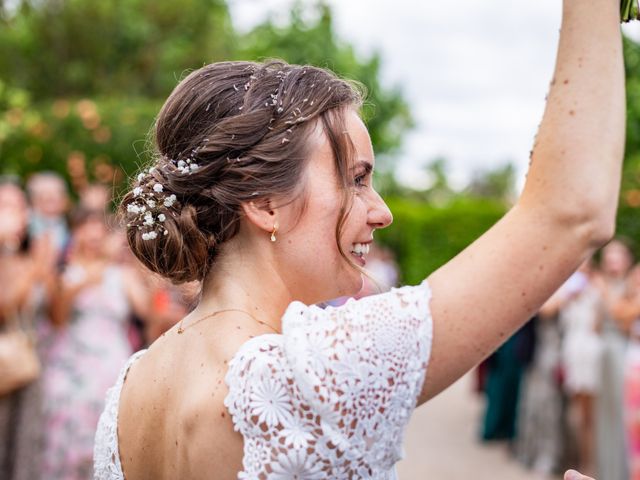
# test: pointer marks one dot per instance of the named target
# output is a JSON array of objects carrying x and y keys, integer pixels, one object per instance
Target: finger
[{"x": 575, "y": 475}]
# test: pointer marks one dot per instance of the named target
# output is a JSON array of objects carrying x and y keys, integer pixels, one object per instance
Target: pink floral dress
[
  {"x": 82, "y": 362},
  {"x": 632, "y": 401}
]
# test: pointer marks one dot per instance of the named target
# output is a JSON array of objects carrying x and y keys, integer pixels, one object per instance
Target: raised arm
[{"x": 566, "y": 211}]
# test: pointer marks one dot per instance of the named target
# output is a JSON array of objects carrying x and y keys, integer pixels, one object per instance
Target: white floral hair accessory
[
  {"x": 148, "y": 198},
  {"x": 188, "y": 165}
]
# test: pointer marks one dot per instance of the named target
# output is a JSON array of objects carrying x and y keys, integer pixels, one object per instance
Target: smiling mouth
[{"x": 360, "y": 250}]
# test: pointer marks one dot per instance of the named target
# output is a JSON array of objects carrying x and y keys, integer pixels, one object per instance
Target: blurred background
[{"x": 455, "y": 94}]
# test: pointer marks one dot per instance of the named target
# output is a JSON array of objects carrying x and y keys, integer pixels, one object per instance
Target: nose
[{"x": 379, "y": 214}]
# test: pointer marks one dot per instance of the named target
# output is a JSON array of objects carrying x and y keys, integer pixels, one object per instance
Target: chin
[{"x": 352, "y": 285}]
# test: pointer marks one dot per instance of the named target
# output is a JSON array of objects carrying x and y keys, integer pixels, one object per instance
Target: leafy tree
[
  {"x": 122, "y": 58},
  {"x": 629, "y": 211},
  {"x": 311, "y": 39},
  {"x": 124, "y": 48}
]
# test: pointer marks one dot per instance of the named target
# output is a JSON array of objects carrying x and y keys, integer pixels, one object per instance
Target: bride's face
[{"x": 307, "y": 242}]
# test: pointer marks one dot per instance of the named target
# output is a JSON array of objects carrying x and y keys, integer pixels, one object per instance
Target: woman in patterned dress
[
  {"x": 27, "y": 276},
  {"x": 262, "y": 189},
  {"x": 87, "y": 348}
]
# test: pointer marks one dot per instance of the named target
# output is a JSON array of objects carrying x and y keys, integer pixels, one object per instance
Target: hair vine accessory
[
  {"x": 148, "y": 198},
  {"x": 188, "y": 165},
  {"x": 273, "y": 232}
]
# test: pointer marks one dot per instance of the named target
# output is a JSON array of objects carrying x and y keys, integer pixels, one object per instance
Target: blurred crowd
[
  {"x": 565, "y": 389},
  {"x": 85, "y": 305},
  {"x": 70, "y": 283}
]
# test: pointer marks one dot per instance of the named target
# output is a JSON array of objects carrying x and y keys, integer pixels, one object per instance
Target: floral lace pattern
[
  {"x": 106, "y": 456},
  {"x": 329, "y": 398}
]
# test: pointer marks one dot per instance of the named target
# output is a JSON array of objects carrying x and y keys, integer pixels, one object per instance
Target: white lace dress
[{"x": 329, "y": 398}]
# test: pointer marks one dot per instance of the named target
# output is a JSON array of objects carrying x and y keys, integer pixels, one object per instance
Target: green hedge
[{"x": 424, "y": 236}]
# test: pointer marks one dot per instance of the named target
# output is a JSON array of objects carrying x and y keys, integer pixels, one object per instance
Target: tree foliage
[
  {"x": 309, "y": 38},
  {"x": 84, "y": 79},
  {"x": 70, "y": 48},
  {"x": 628, "y": 222}
]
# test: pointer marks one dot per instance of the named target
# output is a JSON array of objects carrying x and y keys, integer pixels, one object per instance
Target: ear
[{"x": 260, "y": 214}]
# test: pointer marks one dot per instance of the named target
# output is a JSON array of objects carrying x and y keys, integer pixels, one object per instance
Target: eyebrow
[{"x": 368, "y": 167}]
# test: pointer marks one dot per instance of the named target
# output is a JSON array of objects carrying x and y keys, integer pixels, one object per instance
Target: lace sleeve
[
  {"x": 106, "y": 457},
  {"x": 331, "y": 396}
]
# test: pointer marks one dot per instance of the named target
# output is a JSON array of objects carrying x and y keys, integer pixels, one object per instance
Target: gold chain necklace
[{"x": 181, "y": 329}]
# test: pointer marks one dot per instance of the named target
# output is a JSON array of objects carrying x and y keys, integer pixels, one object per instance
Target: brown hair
[{"x": 229, "y": 133}]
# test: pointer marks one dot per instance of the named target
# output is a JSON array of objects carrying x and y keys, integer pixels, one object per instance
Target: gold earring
[{"x": 273, "y": 233}]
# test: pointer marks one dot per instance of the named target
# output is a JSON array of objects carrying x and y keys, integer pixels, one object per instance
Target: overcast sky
[{"x": 475, "y": 72}]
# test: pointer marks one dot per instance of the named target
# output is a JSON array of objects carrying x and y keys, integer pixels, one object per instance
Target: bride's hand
[{"x": 574, "y": 475}]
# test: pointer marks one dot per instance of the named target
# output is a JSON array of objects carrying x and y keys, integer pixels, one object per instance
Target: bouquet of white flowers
[{"x": 629, "y": 10}]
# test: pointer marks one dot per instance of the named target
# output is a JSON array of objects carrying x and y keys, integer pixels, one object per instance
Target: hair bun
[
  {"x": 180, "y": 254},
  {"x": 167, "y": 239}
]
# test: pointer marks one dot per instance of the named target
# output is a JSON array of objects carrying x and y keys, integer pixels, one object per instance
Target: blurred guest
[
  {"x": 581, "y": 358},
  {"x": 627, "y": 311},
  {"x": 27, "y": 273},
  {"x": 49, "y": 203},
  {"x": 539, "y": 436},
  {"x": 502, "y": 390},
  {"x": 632, "y": 400},
  {"x": 382, "y": 266},
  {"x": 91, "y": 312},
  {"x": 95, "y": 196},
  {"x": 381, "y": 273},
  {"x": 611, "y": 449},
  {"x": 170, "y": 303}
]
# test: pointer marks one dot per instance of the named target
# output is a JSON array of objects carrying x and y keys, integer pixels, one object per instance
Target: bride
[{"x": 262, "y": 189}]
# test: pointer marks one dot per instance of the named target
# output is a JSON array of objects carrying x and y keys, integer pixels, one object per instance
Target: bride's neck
[{"x": 246, "y": 279}]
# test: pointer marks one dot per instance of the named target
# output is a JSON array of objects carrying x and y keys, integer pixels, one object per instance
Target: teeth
[{"x": 360, "y": 249}]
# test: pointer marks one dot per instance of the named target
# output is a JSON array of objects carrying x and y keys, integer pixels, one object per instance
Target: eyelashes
[{"x": 361, "y": 180}]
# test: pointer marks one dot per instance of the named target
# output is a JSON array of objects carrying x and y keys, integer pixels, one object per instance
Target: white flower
[
  {"x": 157, "y": 187},
  {"x": 151, "y": 203},
  {"x": 181, "y": 164},
  {"x": 152, "y": 169},
  {"x": 131, "y": 208},
  {"x": 270, "y": 402},
  {"x": 149, "y": 235},
  {"x": 296, "y": 464},
  {"x": 194, "y": 167},
  {"x": 148, "y": 219},
  {"x": 137, "y": 191},
  {"x": 319, "y": 350},
  {"x": 140, "y": 177},
  {"x": 162, "y": 217},
  {"x": 170, "y": 200},
  {"x": 295, "y": 434}
]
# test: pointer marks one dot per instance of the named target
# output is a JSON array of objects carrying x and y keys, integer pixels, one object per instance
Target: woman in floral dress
[
  {"x": 27, "y": 277},
  {"x": 87, "y": 349}
]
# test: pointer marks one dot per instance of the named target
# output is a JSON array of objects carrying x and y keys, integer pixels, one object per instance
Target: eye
[{"x": 360, "y": 180}]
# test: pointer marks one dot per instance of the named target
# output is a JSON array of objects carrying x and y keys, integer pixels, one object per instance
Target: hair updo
[{"x": 229, "y": 133}]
